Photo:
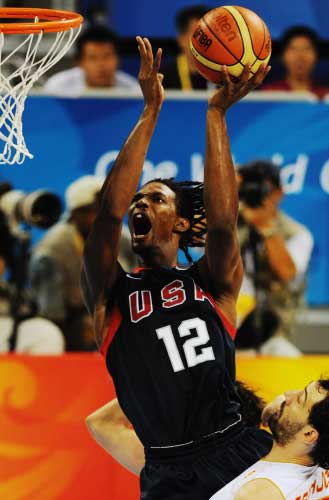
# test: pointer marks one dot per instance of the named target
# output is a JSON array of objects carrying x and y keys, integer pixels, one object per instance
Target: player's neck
[
  {"x": 287, "y": 454},
  {"x": 154, "y": 258}
]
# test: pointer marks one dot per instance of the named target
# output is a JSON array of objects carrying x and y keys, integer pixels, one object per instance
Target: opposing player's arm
[
  {"x": 112, "y": 430},
  {"x": 100, "y": 268},
  {"x": 222, "y": 266},
  {"x": 259, "y": 488}
]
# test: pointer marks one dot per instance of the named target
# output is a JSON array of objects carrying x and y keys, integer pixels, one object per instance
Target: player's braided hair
[{"x": 189, "y": 203}]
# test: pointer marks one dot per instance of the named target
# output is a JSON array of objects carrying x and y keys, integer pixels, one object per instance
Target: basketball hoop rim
[{"x": 56, "y": 20}]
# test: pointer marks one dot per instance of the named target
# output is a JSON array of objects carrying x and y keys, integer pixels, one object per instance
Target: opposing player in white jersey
[{"x": 297, "y": 468}]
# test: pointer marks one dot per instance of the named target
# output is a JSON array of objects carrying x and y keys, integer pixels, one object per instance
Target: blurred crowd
[
  {"x": 41, "y": 306},
  {"x": 98, "y": 58}
]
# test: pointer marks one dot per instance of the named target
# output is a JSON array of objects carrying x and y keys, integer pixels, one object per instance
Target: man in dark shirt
[{"x": 299, "y": 56}]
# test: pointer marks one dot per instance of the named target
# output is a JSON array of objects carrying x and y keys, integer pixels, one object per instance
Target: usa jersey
[
  {"x": 170, "y": 353},
  {"x": 295, "y": 482}
]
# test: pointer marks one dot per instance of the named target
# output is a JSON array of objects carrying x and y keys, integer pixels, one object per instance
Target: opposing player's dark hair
[
  {"x": 97, "y": 34},
  {"x": 183, "y": 16},
  {"x": 251, "y": 405},
  {"x": 189, "y": 203},
  {"x": 319, "y": 419},
  {"x": 299, "y": 31}
]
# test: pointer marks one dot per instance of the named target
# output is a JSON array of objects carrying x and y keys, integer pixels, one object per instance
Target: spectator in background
[
  {"x": 182, "y": 74},
  {"x": 299, "y": 55},
  {"x": 98, "y": 61},
  {"x": 26, "y": 335},
  {"x": 276, "y": 250},
  {"x": 56, "y": 261}
]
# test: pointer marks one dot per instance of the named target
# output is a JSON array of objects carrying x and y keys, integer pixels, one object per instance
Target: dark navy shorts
[{"x": 196, "y": 471}]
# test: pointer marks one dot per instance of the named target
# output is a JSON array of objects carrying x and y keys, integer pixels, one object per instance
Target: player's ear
[
  {"x": 310, "y": 435},
  {"x": 181, "y": 225}
]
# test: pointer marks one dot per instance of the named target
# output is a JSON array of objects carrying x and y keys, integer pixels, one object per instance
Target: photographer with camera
[
  {"x": 276, "y": 250},
  {"x": 54, "y": 267},
  {"x": 20, "y": 328}
]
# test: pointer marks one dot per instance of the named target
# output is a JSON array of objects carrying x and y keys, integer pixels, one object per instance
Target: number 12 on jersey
[{"x": 185, "y": 329}]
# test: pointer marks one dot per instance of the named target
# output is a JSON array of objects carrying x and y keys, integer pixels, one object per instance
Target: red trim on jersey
[
  {"x": 139, "y": 269},
  {"x": 114, "y": 323},
  {"x": 229, "y": 327}
]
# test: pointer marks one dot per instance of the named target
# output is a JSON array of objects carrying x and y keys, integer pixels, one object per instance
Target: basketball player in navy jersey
[{"x": 166, "y": 333}]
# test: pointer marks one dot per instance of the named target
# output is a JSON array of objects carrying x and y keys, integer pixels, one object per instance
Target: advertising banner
[{"x": 74, "y": 137}]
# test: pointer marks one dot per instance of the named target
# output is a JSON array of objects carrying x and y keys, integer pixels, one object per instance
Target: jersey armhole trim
[
  {"x": 114, "y": 323},
  {"x": 227, "y": 324}
]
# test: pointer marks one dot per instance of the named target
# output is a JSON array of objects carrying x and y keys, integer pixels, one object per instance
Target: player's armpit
[
  {"x": 259, "y": 488},
  {"x": 113, "y": 432},
  {"x": 222, "y": 278},
  {"x": 223, "y": 260}
]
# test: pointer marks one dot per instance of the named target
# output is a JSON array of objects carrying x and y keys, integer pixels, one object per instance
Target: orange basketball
[{"x": 231, "y": 36}]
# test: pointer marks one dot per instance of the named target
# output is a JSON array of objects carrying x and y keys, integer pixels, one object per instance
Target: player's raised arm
[
  {"x": 100, "y": 265},
  {"x": 222, "y": 265}
]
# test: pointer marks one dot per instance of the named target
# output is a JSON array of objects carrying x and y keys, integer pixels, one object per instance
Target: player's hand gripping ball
[{"x": 232, "y": 36}]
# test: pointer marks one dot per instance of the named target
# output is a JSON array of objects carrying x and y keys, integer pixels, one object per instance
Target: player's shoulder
[{"x": 259, "y": 488}]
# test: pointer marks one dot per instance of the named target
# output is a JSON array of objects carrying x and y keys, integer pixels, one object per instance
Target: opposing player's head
[
  {"x": 300, "y": 419},
  {"x": 166, "y": 215},
  {"x": 97, "y": 55}
]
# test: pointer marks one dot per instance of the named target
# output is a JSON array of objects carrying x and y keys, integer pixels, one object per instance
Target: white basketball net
[{"x": 15, "y": 87}]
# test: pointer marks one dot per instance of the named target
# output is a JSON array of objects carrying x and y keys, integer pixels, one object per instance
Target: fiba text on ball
[{"x": 202, "y": 38}]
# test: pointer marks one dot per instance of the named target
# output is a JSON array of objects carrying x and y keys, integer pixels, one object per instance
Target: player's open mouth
[{"x": 141, "y": 225}]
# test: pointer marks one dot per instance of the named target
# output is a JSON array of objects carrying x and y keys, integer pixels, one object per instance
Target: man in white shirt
[
  {"x": 297, "y": 468},
  {"x": 276, "y": 250},
  {"x": 55, "y": 264},
  {"x": 98, "y": 61}
]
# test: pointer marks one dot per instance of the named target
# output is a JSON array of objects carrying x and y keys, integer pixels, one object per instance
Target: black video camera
[
  {"x": 40, "y": 209},
  {"x": 258, "y": 180}
]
